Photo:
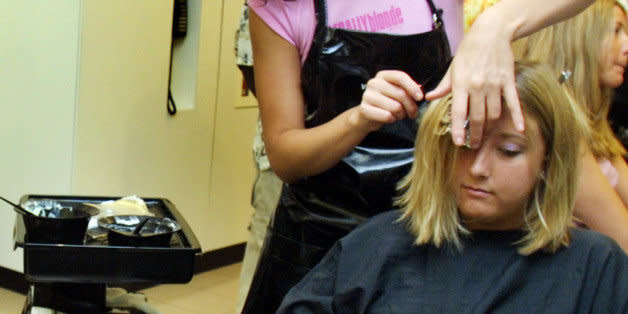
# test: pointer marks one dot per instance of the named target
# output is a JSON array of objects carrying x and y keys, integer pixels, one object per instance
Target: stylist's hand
[
  {"x": 480, "y": 74},
  {"x": 388, "y": 97}
]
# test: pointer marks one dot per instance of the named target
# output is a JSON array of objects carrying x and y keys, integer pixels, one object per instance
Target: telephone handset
[
  {"x": 180, "y": 18},
  {"x": 179, "y": 29}
]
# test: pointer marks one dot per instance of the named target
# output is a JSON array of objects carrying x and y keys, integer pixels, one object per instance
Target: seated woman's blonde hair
[
  {"x": 576, "y": 45},
  {"x": 427, "y": 199}
]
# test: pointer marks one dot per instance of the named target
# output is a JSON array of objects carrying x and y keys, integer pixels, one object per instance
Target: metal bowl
[
  {"x": 52, "y": 222},
  {"x": 138, "y": 230}
]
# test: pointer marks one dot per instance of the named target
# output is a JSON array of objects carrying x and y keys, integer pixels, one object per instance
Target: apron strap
[{"x": 437, "y": 15}]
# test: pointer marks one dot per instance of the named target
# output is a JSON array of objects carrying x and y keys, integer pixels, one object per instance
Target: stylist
[{"x": 339, "y": 87}]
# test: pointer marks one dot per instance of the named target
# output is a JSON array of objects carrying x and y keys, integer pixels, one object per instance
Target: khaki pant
[{"x": 266, "y": 192}]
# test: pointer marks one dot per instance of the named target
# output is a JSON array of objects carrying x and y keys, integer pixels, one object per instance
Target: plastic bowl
[
  {"x": 122, "y": 230},
  {"x": 68, "y": 227}
]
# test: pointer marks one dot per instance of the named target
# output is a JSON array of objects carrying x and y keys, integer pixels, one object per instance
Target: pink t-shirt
[{"x": 295, "y": 21}]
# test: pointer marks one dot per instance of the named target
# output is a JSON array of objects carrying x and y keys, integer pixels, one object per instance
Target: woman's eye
[
  {"x": 619, "y": 28},
  {"x": 510, "y": 150},
  {"x": 510, "y": 153}
]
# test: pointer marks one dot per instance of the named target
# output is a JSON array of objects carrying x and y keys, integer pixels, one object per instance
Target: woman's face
[
  {"x": 615, "y": 52},
  {"x": 492, "y": 184}
]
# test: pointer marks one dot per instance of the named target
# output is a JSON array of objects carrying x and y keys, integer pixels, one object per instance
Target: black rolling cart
[{"x": 73, "y": 278}]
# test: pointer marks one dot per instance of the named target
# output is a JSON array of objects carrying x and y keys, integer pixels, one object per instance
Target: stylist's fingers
[
  {"x": 477, "y": 117},
  {"x": 396, "y": 86},
  {"x": 459, "y": 106},
  {"x": 404, "y": 81},
  {"x": 375, "y": 98},
  {"x": 374, "y": 116},
  {"x": 493, "y": 101},
  {"x": 443, "y": 88},
  {"x": 460, "y": 103},
  {"x": 512, "y": 101}
]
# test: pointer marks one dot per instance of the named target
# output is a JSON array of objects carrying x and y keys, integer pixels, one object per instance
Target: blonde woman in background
[
  {"x": 488, "y": 234},
  {"x": 594, "y": 47}
]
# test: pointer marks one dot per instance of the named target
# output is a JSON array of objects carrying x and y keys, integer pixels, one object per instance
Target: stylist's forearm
[
  {"x": 523, "y": 17},
  {"x": 298, "y": 153}
]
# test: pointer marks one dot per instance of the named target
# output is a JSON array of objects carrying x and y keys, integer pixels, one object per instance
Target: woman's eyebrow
[{"x": 516, "y": 135}]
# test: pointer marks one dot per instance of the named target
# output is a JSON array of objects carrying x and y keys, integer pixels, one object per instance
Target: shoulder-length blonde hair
[
  {"x": 426, "y": 196},
  {"x": 578, "y": 45}
]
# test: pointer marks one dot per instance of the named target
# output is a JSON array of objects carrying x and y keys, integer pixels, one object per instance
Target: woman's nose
[
  {"x": 480, "y": 165},
  {"x": 624, "y": 48},
  {"x": 624, "y": 44}
]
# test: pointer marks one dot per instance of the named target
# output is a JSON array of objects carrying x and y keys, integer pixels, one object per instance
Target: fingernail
[
  {"x": 520, "y": 126},
  {"x": 458, "y": 140},
  {"x": 420, "y": 93}
]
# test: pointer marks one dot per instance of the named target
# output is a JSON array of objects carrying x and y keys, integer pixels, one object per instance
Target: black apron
[{"x": 316, "y": 211}]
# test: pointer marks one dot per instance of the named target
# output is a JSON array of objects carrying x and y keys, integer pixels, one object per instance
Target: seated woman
[
  {"x": 480, "y": 230},
  {"x": 597, "y": 62}
]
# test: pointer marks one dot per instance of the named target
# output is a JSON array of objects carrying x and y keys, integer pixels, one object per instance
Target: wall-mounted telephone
[{"x": 179, "y": 29}]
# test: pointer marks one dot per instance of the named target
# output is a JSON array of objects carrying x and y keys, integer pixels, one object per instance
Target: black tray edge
[{"x": 185, "y": 228}]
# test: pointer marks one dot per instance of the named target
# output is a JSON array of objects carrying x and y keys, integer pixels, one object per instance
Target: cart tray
[{"x": 98, "y": 262}]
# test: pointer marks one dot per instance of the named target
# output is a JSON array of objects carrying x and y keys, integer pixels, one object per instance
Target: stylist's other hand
[
  {"x": 479, "y": 76},
  {"x": 388, "y": 97}
]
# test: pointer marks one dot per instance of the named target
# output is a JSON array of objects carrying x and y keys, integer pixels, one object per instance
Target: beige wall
[
  {"x": 232, "y": 171},
  {"x": 118, "y": 138},
  {"x": 127, "y": 143}
]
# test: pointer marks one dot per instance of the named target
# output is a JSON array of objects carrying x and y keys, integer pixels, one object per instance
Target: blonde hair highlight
[{"x": 426, "y": 197}]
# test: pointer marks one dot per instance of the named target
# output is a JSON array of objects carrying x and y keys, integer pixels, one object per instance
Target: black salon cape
[{"x": 377, "y": 269}]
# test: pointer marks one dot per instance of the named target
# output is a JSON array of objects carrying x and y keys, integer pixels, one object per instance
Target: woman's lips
[{"x": 475, "y": 191}]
